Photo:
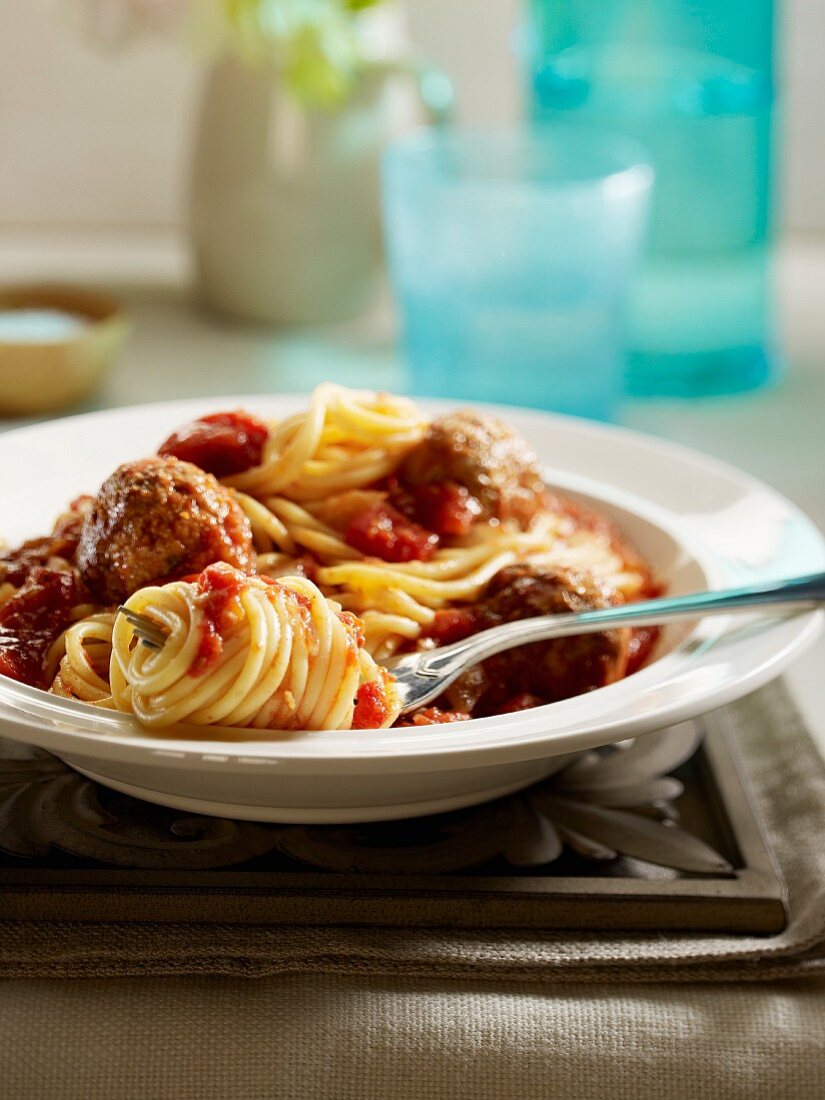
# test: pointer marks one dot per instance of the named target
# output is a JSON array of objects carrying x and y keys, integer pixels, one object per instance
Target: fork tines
[{"x": 146, "y": 630}]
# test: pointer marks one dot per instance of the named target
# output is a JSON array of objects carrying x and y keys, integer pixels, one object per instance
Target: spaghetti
[
  {"x": 349, "y": 532},
  {"x": 398, "y": 600},
  {"x": 244, "y": 651},
  {"x": 345, "y": 440}
]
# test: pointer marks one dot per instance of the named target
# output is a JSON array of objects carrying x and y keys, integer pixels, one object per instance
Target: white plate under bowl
[{"x": 700, "y": 522}]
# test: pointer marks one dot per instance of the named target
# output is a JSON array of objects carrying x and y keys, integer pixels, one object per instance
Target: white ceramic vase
[{"x": 284, "y": 214}]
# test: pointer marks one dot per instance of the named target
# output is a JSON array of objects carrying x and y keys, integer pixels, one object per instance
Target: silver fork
[
  {"x": 422, "y": 677},
  {"x": 147, "y": 630}
]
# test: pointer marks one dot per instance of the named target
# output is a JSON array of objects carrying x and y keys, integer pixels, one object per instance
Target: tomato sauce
[
  {"x": 221, "y": 443},
  {"x": 220, "y": 588},
  {"x": 32, "y": 619},
  {"x": 371, "y": 707},
  {"x": 383, "y": 532},
  {"x": 355, "y": 628},
  {"x": 432, "y": 716},
  {"x": 524, "y": 701},
  {"x": 446, "y": 508},
  {"x": 451, "y": 624},
  {"x": 642, "y": 642},
  {"x": 16, "y": 565}
]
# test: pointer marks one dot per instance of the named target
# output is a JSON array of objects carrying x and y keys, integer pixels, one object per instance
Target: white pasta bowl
[{"x": 701, "y": 523}]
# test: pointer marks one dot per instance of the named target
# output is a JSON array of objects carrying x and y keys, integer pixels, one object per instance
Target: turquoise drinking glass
[
  {"x": 510, "y": 254},
  {"x": 693, "y": 82}
]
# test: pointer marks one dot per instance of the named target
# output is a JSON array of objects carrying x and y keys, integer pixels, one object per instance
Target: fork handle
[{"x": 448, "y": 661}]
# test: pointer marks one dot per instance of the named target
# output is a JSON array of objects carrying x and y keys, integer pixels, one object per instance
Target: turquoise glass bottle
[{"x": 692, "y": 81}]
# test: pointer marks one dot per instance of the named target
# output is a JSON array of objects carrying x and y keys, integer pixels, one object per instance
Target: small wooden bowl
[{"x": 43, "y": 376}]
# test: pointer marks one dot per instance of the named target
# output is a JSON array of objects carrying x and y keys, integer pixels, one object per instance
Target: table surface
[{"x": 178, "y": 350}]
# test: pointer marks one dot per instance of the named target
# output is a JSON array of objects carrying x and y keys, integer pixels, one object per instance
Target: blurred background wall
[{"x": 69, "y": 112}]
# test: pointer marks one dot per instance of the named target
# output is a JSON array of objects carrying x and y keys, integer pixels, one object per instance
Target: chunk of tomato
[
  {"x": 371, "y": 706},
  {"x": 32, "y": 619},
  {"x": 383, "y": 532},
  {"x": 446, "y": 508},
  {"x": 221, "y": 443}
]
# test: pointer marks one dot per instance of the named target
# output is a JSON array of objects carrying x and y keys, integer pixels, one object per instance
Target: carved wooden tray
[{"x": 656, "y": 834}]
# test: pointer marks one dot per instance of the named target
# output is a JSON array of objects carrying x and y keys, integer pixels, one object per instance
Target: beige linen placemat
[
  {"x": 788, "y": 778},
  {"x": 334, "y": 1037}
]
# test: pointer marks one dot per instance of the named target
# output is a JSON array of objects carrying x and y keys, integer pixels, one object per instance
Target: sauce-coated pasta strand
[{"x": 244, "y": 651}]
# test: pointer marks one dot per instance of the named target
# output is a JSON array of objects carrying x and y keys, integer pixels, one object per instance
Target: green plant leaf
[{"x": 315, "y": 43}]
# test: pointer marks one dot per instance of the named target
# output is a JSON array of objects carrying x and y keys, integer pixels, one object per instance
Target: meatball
[
  {"x": 541, "y": 671},
  {"x": 156, "y": 520},
  {"x": 485, "y": 456}
]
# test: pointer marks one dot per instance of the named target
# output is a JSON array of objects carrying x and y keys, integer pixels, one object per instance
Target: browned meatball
[
  {"x": 155, "y": 520},
  {"x": 484, "y": 455},
  {"x": 544, "y": 671}
]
